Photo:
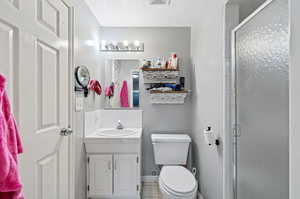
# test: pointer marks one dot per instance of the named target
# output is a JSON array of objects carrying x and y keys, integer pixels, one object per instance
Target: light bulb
[
  {"x": 125, "y": 43},
  {"x": 136, "y": 43}
]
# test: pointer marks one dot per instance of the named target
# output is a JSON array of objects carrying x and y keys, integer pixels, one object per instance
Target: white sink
[
  {"x": 105, "y": 134},
  {"x": 108, "y": 140},
  {"x": 115, "y": 132}
]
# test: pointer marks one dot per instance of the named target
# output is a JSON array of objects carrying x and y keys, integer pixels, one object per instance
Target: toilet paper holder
[{"x": 210, "y": 137}]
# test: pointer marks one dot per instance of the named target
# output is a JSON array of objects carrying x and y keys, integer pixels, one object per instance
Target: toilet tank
[{"x": 170, "y": 149}]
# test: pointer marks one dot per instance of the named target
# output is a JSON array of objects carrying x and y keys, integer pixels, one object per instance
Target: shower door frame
[{"x": 235, "y": 131}]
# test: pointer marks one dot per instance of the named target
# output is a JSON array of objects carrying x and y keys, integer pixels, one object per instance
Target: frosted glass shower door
[{"x": 262, "y": 104}]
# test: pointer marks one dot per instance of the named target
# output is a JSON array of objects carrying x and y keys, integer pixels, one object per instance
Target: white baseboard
[
  {"x": 200, "y": 196},
  {"x": 150, "y": 178}
]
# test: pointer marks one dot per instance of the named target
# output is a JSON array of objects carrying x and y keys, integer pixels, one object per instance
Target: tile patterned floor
[{"x": 151, "y": 191}]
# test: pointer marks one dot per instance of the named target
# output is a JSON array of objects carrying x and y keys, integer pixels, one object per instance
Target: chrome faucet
[{"x": 120, "y": 126}]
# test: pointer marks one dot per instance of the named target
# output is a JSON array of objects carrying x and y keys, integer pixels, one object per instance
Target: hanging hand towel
[
  {"x": 124, "y": 95},
  {"x": 95, "y": 86},
  {"x": 108, "y": 92},
  {"x": 10, "y": 147}
]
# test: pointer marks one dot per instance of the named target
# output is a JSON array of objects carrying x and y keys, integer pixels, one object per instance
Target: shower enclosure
[{"x": 261, "y": 112}]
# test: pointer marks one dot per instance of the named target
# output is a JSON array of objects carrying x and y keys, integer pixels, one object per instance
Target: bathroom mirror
[{"x": 122, "y": 83}]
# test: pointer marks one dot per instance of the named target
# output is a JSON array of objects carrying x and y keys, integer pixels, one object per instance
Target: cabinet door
[
  {"x": 100, "y": 175},
  {"x": 126, "y": 174}
]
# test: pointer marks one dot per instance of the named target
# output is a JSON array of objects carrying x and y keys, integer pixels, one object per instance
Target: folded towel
[{"x": 164, "y": 89}]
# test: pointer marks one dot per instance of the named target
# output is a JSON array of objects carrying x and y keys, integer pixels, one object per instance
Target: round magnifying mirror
[{"x": 82, "y": 76}]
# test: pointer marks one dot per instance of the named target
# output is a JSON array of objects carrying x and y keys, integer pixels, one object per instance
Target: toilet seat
[{"x": 177, "y": 181}]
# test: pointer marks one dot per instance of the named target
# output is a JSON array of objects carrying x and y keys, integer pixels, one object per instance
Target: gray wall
[
  {"x": 158, "y": 42},
  {"x": 86, "y": 30},
  {"x": 208, "y": 36}
]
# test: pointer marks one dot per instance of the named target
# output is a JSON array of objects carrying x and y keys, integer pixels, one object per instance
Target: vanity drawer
[{"x": 113, "y": 147}]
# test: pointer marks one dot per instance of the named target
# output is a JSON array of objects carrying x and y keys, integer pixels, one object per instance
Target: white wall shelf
[
  {"x": 168, "y": 97},
  {"x": 157, "y": 75}
]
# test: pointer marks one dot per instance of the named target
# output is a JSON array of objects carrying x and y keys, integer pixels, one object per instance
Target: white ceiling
[{"x": 137, "y": 13}]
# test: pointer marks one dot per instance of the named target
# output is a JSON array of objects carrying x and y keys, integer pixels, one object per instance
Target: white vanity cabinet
[
  {"x": 113, "y": 176},
  {"x": 114, "y": 166}
]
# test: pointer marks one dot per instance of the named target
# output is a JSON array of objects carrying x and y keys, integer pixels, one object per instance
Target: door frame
[
  {"x": 229, "y": 123},
  {"x": 294, "y": 99},
  {"x": 71, "y": 96},
  {"x": 131, "y": 85}
]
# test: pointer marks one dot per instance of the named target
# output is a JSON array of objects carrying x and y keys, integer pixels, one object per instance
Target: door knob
[{"x": 66, "y": 131}]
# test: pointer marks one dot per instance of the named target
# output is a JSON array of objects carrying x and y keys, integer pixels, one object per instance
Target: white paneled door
[{"x": 34, "y": 57}]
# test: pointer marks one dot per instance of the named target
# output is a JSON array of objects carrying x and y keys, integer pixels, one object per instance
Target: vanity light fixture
[
  {"x": 123, "y": 46},
  {"x": 160, "y": 2}
]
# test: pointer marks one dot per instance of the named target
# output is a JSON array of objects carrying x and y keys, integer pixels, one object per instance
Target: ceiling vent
[{"x": 159, "y": 2}]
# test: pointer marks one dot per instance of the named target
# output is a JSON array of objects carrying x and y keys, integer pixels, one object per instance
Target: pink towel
[
  {"x": 10, "y": 147},
  {"x": 124, "y": 95},
  {"x": 95, "y": 86},
  {"x": 109, "y": 90}
]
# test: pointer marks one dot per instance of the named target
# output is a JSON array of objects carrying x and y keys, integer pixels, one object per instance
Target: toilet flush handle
[{"x": 194, "y": 171}]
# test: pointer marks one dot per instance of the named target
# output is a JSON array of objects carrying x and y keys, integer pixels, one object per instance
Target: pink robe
[
  {"x": 10, "y": 147},
  {"x": 124, "y": 95}
]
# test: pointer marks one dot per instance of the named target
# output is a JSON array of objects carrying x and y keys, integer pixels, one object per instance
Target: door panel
[
  {"x": 262, "y": 103},
  {"x": 48, "y": 15},
  {"x": 48, "y": 79},
  {"x": 48, "y": 177},
  {"x": 100, "y": 176},
  {"x": 35, "y": 54},
  {"x": 125, "y": 174}
]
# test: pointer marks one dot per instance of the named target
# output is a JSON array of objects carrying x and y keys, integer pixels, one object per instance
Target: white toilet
[{"x": 171, "y": 152}]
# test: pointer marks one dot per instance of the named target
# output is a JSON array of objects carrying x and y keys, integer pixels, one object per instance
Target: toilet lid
[{"x": 178, "y": 179}]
